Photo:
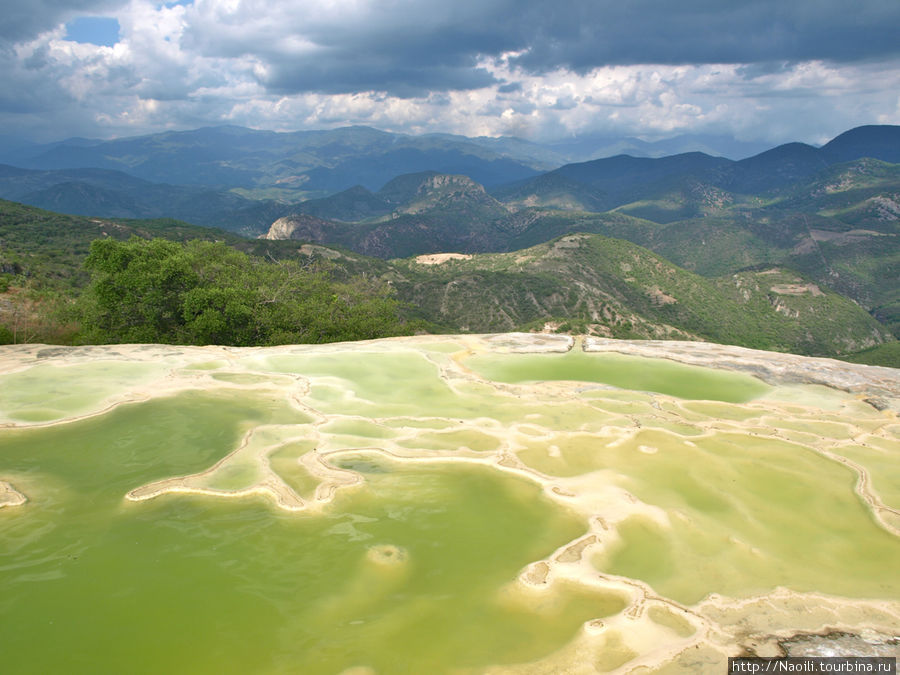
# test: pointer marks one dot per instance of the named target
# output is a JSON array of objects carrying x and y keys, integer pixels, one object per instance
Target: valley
[{"x": 794, "y": 249}]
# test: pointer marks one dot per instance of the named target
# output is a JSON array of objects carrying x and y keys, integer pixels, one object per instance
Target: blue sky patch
[{"x": 95, "y": 30}]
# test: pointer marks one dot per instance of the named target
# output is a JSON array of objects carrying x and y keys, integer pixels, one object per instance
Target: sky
[{"x": 759, "y": 70}]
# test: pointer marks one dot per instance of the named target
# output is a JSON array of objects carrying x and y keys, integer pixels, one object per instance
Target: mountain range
[
  {"x": 804, "y": 208},
  {"x": 823, "y": 223},
  {"x": 291, "y": 165},
  {"x": 243, "y": 180},
  {"x": 301, "y": 163},
  {"x": 586, "y": 283}
]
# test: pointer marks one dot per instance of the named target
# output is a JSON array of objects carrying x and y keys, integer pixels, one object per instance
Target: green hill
[
  {"x": 586, "y": 282},
  {"x": 591, "y": 283}
]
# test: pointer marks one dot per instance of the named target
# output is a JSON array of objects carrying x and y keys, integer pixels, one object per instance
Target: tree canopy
[{"x": 205, "y": 292}]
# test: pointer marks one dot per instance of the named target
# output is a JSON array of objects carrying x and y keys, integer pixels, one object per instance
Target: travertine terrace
[{"x": 700, "y": 501}]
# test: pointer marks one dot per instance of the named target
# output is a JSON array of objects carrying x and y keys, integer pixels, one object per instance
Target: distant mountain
[
  {"x": 555, "y": 190},
  {"x": 427, "y": 191},
  {"x": 351, "y": 205},
  {"x": 531, "y": 153},
  {"x": 802, "y": 208},
  {"x": 308, "y": 162},
  {"x": 297, "y": 166},
  {"x": 202, "y": 157},
  {"x": 420, "y": 192},
  {"x": 617, "y": 182},
  {"x": 678, "y": 198},
  {"x": 373, "y": 171},
  {"x": 14, "y": 149},
  {"x": 876, "y": 141},
  {"x": 585, "y": 147},
  {"x": 771, "y": 169},
  {"x": 114, "y": 194},
  {"x": 85, "y": 199},
  {"x": 16, "y": 182},
  {"x": 296, "y": 163},
  {"x": 418, "y": 213},
  {"x": 844, "y": 187},
  {"x": 581, "y": 148},
  {"x": 603, "y": 184},
  {"x": 619, "y": 173}
]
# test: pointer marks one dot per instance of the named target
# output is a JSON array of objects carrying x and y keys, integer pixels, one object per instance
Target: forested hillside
[
  {"x": 796, "y": 248},
  {"x": 80, "y": 280}
]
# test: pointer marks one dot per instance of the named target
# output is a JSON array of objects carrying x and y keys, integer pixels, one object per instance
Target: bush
[{"x": 208, "y": 293}]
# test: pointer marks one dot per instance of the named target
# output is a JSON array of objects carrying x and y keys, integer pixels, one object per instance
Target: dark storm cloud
[
  {"x": 24, "y": 20},
  {"x": 509, "y": 88},
  {"x": 395, "y": 62},
  {"x": 399, "y": 80},
  {"x": 409, "y": 48},
  {"x": 404, "y": 49},
  {"x": 583, "y": 35}
]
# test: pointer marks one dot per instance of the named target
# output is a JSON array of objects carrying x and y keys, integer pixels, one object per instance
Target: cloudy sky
[{"x": 760, "y": 70}]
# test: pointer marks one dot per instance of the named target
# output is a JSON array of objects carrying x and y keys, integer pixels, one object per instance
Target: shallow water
[
  {"x": 423, "y": 495},
  {"x": 619, "y": 370},
  {"x": 51, "y": 392},
  {"x": 747, "y": 515},
  {"x": 239, "y": 587}
]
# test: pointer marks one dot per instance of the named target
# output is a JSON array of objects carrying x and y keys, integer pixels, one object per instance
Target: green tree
[
  {"x": 208, "y": 293},
  {"x": 136, "y": 291}
]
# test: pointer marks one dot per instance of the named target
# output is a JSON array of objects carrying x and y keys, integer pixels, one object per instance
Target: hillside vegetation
[
  {"x": 208, "y": 293},
  {"x": 839, "y": 228},
  {"x": 591, "y": 283},
  {"x": 796, "y": 248},
  {"x": 164, "y": 281},
  {"x": 66, "y": 279}
]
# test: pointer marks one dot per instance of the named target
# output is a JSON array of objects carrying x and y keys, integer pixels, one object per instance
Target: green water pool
[
  {"x": 425, "y": 489},
  {"x": 626, "y": 372},
  {"x": 197, "y": 585}
]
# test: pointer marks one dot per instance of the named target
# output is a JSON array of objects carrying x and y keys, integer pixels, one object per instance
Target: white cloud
[{"x": 245, "y": 62}]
